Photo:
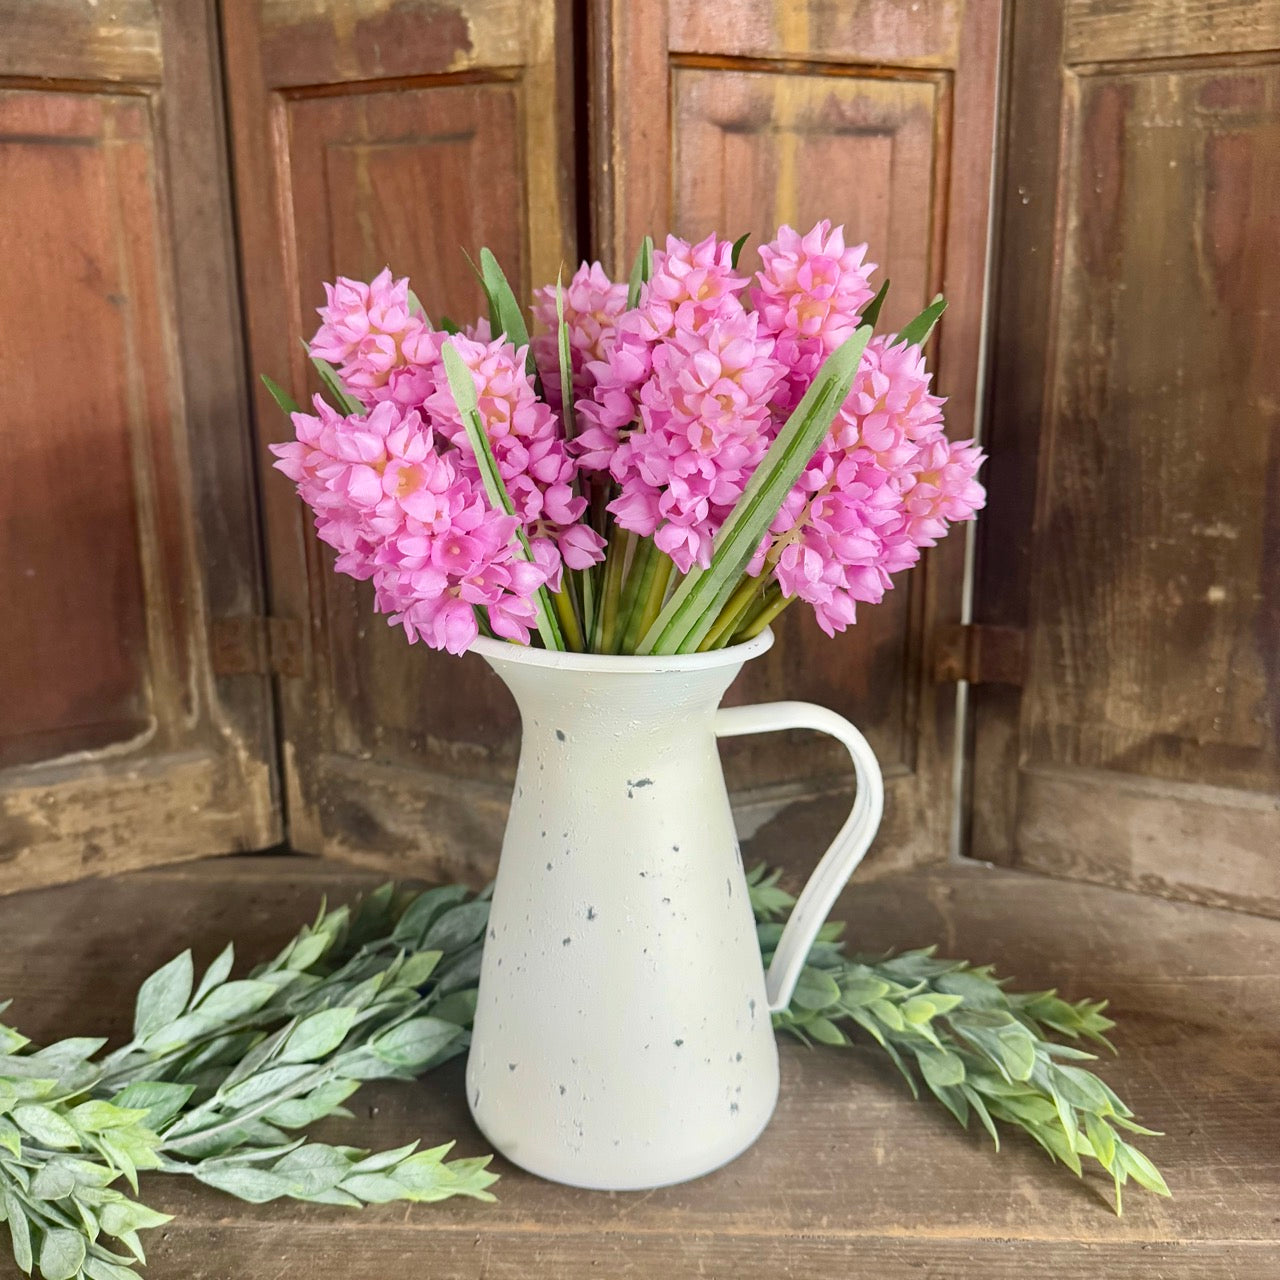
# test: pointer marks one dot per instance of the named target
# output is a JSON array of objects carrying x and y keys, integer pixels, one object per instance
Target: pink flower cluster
[
  {"x": 397, "y": 490},
  {"x": 694, "y": 388},
  {"x": 405, "y": 514},
  {"x": 530, "y": 450},
  {"x": 592, "y": 305},
  {"x": 884, "y": 484},
  {"x": 809, "y": 294},
  {"x": 677, "y": 400},
  {"x": 383, "y": 351}
]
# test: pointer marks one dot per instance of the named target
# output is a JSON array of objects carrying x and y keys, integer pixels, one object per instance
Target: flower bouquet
[
  {"x": 664, "y": 468},
  {"x": 611, "y": 514}
]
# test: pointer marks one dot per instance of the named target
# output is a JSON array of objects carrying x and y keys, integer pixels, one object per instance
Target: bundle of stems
[{"x": 637, "y": 601}]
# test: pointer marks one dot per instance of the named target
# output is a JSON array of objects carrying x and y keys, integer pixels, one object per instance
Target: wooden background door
[
  {"x": 366, "y": 135},
  {"x": 127, "y": 519},
  {"x": 1131, "y": 547},
  {"x": 742, "y": 114},
  {"x": 1133, "y": 530}
]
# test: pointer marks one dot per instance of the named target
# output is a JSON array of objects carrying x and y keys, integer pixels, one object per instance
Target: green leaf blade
[{"x": 691, "y": 611}]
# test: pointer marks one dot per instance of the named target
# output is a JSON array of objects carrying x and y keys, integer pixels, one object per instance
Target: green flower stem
[
  {"x": 639, "y": 575},
  {"x": 650, "y": 601},
  {"x": 735, "y": 609},
  {"x": 614, "y": 564},
  {"x": 568, "y": 615},
  {"x": 770, "y": 608}
]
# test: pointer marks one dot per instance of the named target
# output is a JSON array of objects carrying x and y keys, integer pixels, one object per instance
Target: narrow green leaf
[
  {"x": 690, "y": 613},
  {"x": 1141, "y": 1169},
  {"x": 463, "y": 389},
  {"x": 815, "y": 990},
  {"x": 565, "y": 352},
  {"x": 738, "y": 245},
  {"x": 264, "y": 1084},
  {"x": 641, "y": 270},
  {"x": 940, "y": 1067},
  {"x": 317, "y": 1036},
  {"x": 346, "y": 402},
  {"x": 233, "y": 1000},
  {"x": 286, "y": 402},
  {"x": 415, "y": 1042},
  {"x": 53, "y": 1181},
  {"x": 458, "y": 927},
  {"x": 95, "y": 1115},
  {"x": 916, "y": 332},
  {"x": 1102, "y": 1138},
  {"x": 46, "y": 1126},
  {"x": 163, "y": 996},
  {"x": 871, "y": 312},
  {"x": 19, "y": 1231},
  {"x": 257, "y": 1186},
  {"x": 217, "y": 973},
  {"x": 413, "y": 924},
  {"x": 103, "y": 1269},
  {"x": 122, "y": 1216},
  {"x": 460, "y": 1007},
  {"x": 980, "y": 1109},
  {"x": 824, "y": 1031},
  {"x": 505, "y": 316}
]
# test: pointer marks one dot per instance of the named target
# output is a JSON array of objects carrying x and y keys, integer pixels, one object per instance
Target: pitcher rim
[{"x": 647, "y": 664}]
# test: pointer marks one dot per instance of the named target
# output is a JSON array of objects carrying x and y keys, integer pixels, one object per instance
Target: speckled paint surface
[{"x": 622, "y": 1038}]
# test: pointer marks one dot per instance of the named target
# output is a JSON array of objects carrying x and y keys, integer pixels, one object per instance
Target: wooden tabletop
[{"x": 853, "y": 1178}]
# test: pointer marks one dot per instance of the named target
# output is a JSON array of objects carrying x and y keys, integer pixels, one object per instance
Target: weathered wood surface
[
  {"x": 126, "y": 507},
  {"x": 853, "y": 1178},
  {"x": 1133, "y": 527},
  {"x": 879, "y": 114},
  {"x": 369, "y": 133}
]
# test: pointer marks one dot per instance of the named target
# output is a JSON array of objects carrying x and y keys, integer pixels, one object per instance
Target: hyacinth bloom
[
  {"x": 851, "y": 520},
  {"x": 691, "y": 288},
  {"x": 705, "y": 426},
  {"x": 383, "y": 351},
  {"x": 808, "y": 294},
  {"x": 677, "y": 402},
  {"x": 530, "y": 450},
  {"x": 592, "y": 305},
  {"x": 406, "y": 514}
]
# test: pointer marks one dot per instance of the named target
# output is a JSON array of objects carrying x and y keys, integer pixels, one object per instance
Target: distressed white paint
[{"x": 622, "y": 1038}]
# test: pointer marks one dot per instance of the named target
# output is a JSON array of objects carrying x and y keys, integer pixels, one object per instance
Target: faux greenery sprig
[
  {"x": 979, "y": 1049},
  {"x": 219, "y": 1074}
]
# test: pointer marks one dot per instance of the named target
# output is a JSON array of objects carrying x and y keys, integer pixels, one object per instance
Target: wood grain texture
[
  {"x": 1116, "y": 30},
  {"x": 879, "y": 115},
  {"x": 917, "y": 33},
  {"x": 75, "y": 40},
  {"x": 126, "y": 463},
  {"x": 852, "y": 1177},
  {"x": 368, "y": 134},
  {"x": 1133, "y": 527}
]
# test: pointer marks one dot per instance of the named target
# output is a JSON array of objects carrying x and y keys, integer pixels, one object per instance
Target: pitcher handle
[{"x": 846, "y": 850}]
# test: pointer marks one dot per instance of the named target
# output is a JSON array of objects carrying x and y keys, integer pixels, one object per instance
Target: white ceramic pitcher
[{"x": 622, "y": 1037}]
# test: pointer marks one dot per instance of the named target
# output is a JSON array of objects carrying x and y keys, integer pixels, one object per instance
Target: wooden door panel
[
  {"x": 754, "y": 149},
  {"x": 364, "y": 169},
  {"x": 1145, "y": 747},
  {"x": 119, "y": 744},
  {"x": 77, "y": 643},
  {"x": 878, "y": 115},
  {"x": 371, "y": 136}
]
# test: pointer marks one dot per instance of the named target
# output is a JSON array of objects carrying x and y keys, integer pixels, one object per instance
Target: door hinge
[
  {"x": 257, "y": 646},
  {"x": 979, "y": 654}
]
